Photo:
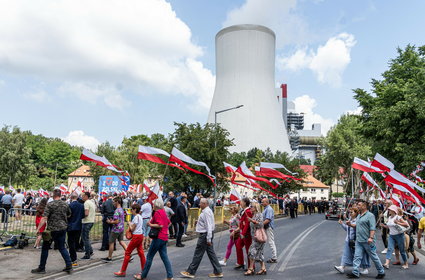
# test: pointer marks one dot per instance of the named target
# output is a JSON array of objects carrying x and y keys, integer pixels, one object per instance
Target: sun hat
[{"x": 393, "y": 208}]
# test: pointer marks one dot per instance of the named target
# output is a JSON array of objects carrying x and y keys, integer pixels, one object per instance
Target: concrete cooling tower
[{"x": 245, "y": 75}]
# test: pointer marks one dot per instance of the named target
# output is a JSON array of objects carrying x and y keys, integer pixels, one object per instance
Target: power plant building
[{"x": 245, "y": 75}]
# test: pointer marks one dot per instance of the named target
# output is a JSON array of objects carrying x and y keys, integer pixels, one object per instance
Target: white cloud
[
  {"x": 280, "y": 16},
  {"x": 141, "y": 45},
  {"x": 39, "y": 96},
  {"x": 305, "y": 104},
  {"x": 357, "y": 111},
  {"x": 79, "y": 138},
  {"x": 89, "y": 92},
  {"x": 328, "y": 62}
]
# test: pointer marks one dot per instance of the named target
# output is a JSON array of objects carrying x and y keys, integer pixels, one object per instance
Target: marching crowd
[
  {"x": 68, "y": 219},
  {"x": 398, "y": 229}
]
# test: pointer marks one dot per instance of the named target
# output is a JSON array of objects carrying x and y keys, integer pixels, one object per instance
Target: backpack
[{"x": 11, "y": 242}]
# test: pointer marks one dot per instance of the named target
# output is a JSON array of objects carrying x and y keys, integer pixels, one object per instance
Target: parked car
[{"x": 336, "y": 211}]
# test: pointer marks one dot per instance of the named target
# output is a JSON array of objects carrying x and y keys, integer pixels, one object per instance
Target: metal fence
[{"x": 10, "y": 225}]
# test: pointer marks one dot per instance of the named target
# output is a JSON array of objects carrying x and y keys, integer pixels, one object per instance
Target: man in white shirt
[
  {"x": 205, "y": 227},
  {"x": 18, "y": 200},
  {"x": 146, "y": 213}
]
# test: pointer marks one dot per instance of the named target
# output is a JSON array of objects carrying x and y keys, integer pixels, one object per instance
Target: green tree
[
  {"x": 16, "y": 165},
  {"x": 206, "y": 143},
  {"x": 343, "y": 142},
  {"x": 393, "y": 113}
]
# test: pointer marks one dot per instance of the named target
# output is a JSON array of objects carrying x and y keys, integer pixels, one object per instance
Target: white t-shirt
[
  {"x": 19, "y": 199},
  {"x": 138, "y": 221},
  {"x": 146, "y": 210},
  {"x": 392, "y": 225}
]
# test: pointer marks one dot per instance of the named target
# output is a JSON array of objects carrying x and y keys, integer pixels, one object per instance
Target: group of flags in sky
[{"x": 399, "y": 187}]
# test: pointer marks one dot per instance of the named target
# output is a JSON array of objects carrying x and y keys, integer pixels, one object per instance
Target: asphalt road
[{"x": 308, "y": 248}]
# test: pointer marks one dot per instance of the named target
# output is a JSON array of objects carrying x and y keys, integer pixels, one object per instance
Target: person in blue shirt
[{"x": 74, "y": 227}]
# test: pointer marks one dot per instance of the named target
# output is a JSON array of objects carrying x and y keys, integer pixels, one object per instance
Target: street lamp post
[{"x": 215, "y": 141}]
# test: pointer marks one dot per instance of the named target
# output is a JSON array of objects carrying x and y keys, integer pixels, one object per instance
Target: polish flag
[
  {"x": 63, "y": 188},
  {"x": 235, "y": 196},
  {"x": 181, "y": 159},
  {"x": 402, "y": 189},
  {"x": 273, "y": 173},
  {"x": 100, "y": 161},
  {"x": 272, "y": 165},
  {"x": 149, "y": 154},
  {"x": 364, "y": 166},
  {"x": 154, "y": 193},
  {"x": 42, "y": 192},
  {"x": 396, "y": 178},
  {"x": 396, "y": 201},
  {"x": 369, "y": 180},
  {"x": 244, "y": 171},
  {"x": 12, "y": 189},
  {"x": 2, "y": 189},
  {"x": 229, "y": 168},
  {"x": 382, "y": 163}
]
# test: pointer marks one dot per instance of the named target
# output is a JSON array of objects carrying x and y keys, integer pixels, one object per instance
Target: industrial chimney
[{"x": 245, "y": 68}]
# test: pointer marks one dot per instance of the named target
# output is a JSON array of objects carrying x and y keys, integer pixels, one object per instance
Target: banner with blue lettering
[{"x": 113, "y": 184}]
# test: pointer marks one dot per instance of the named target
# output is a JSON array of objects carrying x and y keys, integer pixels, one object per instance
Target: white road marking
[{"x": 289, "y": 246}]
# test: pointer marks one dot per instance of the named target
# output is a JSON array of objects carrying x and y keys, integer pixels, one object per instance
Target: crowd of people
[
  {"x": 398, "y": 229},
  {"x": 68, "y": 219}
]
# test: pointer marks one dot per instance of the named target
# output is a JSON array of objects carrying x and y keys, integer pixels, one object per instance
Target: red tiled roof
[
  {"x": 82, "y": 171},
  {"x": 309, "y": 169},
  {"x": 311, "y": 182}
]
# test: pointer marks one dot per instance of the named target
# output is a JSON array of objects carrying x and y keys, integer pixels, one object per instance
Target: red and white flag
[
  {"x": 149, "y": 154},
  {"x": 100, "y": 161},
  {"x": 272, "y": 165},
  {"x": 63, "y": 188},
  {"x": 382, "y": 163},
  {"x": 42, "y": 192},
  {"x": 235, "y": 196},
  {"x": 244, "y": 171},
  {"x": 364, "y": 166},
  {"x": 397, "y": 178},
  {"x": 266, "y": 171},
  {"x": 181, "y": 159},
  {"x": 154, "y": 193},
  {"x": 2, "y": 189},
  {"x": 396, "y": 201}
]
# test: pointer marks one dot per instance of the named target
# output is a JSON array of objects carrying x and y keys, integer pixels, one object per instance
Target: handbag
[
  {"x": 128, "y": 234},
  {"x": 154, "y": 232},
  {"x": 46, "y": 235},
  {"x": 260, "y": 235},
  {"x": 401, "y": 229}
]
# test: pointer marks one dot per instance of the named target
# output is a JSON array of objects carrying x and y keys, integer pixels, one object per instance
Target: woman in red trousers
[{"x": 136, "y": 227}]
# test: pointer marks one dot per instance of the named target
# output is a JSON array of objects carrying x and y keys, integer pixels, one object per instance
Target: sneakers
[
  {"x": 85, "y": 258},
  {"x": 340, "y": 269},
  {"x": 380, "y": 276},
  {"x": 272, "y": 261},
  {"x": 74, "y": 264},
  {"x": 364, "y": 271},
  {"x": 38, "y": 271},
  {"x": 119, "y": 274},
  {"x": 352, "y": 276},
  {"x": 384, "y": 251},
  {"x": 222, "y": 263},
  {"x": 106, "y": 260},
  {"x": 184, "y": 235},
  {"x": 180, "y": 245},
  {"x": 68, "y": 269},
  {"x": 214, "y": 275},
  {"x": 187, "y": 274}
]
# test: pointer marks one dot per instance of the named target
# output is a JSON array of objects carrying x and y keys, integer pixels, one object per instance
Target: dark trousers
[
  {"x": 385, "y": 236},
  {"x": 106, "y": 229},
  {"x": 175, "y": 228},
  {"x": 85, "y": 234},
  {"x": 180, "y": 233},
  {"x": 200, "y": 249},
  {"x": 73, "y": 240},
  {"x": 292, "y": 212},
  {"x": 59, "y": 238}
]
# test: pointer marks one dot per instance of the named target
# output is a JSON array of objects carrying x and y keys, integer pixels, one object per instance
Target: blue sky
[{"x": 94, "y": 71}]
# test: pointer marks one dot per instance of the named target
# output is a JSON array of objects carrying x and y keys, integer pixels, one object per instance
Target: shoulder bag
[{"x": 260, "y": 235}]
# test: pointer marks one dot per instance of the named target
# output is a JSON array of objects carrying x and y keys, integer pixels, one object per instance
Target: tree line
[
  {"x": 33, "y": 161},
  {"x": 391, "y": 121}
]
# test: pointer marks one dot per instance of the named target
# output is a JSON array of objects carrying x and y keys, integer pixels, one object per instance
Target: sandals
[
  {"x": 249, "y": 272},
  {"x": 415, "y": 261},
  {"x": 261, "y": 272},
  {"x": 396, "y": 263}
]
